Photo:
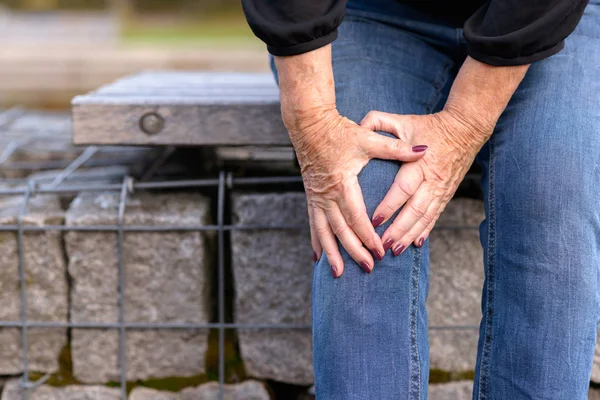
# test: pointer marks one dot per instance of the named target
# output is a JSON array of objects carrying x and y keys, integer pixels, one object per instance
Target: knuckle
[
  {"x": 428, "y": 219},
  {"x": 370, "y": 115},
  {"x": 321, "y": 231},
  {"x": 339, "y": 229},
  {"x": 353, "y": 219},
  {"x": 418, "y": 209},
  {"x": 389, "y": 209},
  {"x": 403, "y": 186}
]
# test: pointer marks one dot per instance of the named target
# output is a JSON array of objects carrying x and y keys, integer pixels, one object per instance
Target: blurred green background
[{"x": 54, "y": 49}]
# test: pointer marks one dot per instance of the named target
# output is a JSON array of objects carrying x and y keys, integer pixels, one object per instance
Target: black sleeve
[
  {"x": 290, "y": 27},
  {"x": 518, "y": 32}
]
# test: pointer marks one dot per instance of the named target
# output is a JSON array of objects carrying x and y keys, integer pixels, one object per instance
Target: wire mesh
[{"x": 224, "y": 183}]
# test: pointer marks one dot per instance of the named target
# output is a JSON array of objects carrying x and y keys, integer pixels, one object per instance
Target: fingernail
[
  {"x": 365, "y": 267},
  {"x": 315, "y": 257},
  {"x": 377, "y": 221},
  {"x": 420, "y": 148},
  {"x": 398, "y": 250},
  {"x": 334, "y": 271},
  {"x": 388, "y": 243},
  {"x": 378, "y": 255},
  {"x": 421, "y": 241}
]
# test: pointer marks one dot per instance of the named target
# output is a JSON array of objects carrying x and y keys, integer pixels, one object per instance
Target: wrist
[
  {"x": 299, "y": 121},
  {"x": 464, "y": 130}
]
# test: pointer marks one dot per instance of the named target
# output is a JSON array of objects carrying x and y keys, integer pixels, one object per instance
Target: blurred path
[
  {"x": 64, "y": 27},
  {"x": 47, "y": 58}
]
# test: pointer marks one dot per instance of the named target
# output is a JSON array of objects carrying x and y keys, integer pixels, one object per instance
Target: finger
[
  {"x": 349, "y": 240},
  {"x": 314, "y": 239},
  {"x": 415, "y": 234},
  {"x": 328, "y": 241},
  {"x": 405, "y": 184},
  {"x": 354, "y": 211},
  {"x": 418, "y": 209},
  {"x": 376, "y": 145},
  {"x": 425, "y": 234},
  {"x": 382, "y": 121}
]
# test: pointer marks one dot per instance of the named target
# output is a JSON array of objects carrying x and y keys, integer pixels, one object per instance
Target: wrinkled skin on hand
[
  {"x": 331, "y": 151},
  {"x": 426, "y": 186}
]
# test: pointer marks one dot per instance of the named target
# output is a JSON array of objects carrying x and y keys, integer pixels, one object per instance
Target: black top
[{"x": 498, "y": 32}]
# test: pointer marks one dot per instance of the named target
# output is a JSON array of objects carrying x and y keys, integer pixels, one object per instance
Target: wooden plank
[{"x": 193, "y": 108}]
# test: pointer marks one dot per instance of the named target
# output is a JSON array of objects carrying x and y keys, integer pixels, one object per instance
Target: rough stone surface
[
  {"x": 456, "y": 280},
  {"x": 166, "y": 277},
  {"x": 248, "y": 390},
  {"x": 461, "y": 390},
  {"x": 142, "y": 393},
  {"x": 46, "y": 282},
  {"x": 12, "y": 391},
  {"x": 272, "y": 278}
]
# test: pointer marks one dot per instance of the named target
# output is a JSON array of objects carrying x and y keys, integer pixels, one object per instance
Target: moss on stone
[
  {"x": 6, "y": 236},
  {"x": 174, "y": 384},
  {"x": 234, "y": 366},
  {"x": 441, "y": 376},
  {"x": 64, "y": 375}
]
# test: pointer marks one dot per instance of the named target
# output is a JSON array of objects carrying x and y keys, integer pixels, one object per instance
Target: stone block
[
  {"x": 272, "y": 278},
  {"x": 12, "y": 391},
  {"x": 166, "y": 281},
  {"x": 461, "y": 390},
  {"x": 456, "y": 280},
  {"x": 248, "y": 390},
  {"x": 46, "y": 283}
]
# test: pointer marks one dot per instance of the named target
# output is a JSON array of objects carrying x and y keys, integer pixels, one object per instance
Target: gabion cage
[{"x": 223, "y": 184}]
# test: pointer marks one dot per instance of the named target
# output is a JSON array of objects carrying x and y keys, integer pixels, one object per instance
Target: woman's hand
[
  {"x": 479, "y": 95},
  {"x": 331, "y": 151},
  {"x": 425, "y": 187}
]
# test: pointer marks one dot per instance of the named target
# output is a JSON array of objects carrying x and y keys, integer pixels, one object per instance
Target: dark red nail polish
[
  {"x": 365, "y": 267},
  {"x": 420, "y": 148},
  {"x": 315, "y": 258},
  {"x": 377, "y": 221},
  {"x": 421, "y": 241},
  {"x": 334, "y": 271},
  {"x": 398, "y": 250},
  {"x": 388, "y": 243},
  {"x": 378, "y": 255}
]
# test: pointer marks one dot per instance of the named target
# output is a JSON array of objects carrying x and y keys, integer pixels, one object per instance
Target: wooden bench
[{"x": 180, "y": 109}]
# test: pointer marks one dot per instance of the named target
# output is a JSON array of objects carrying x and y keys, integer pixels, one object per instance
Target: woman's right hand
[{"x": 331, "y": 151}]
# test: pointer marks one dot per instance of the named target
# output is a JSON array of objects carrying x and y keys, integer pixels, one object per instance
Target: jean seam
[
  {"x": 484, "y": 369},
  {"x": 415, "y": 366},
  {"x": 438, "y": 84}
]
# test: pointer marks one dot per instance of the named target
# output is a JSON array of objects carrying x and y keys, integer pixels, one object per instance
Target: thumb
[
  {"x": 382, "y": 121},
  {"x": 376, "y": 145}
]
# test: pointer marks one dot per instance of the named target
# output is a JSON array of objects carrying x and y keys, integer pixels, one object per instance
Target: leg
[
  {"x": 370, "y": 331},
  {"x": 542, "y": 230}
]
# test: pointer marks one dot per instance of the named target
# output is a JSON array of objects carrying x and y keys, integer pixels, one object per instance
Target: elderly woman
[{"x": 387, "y": 104}]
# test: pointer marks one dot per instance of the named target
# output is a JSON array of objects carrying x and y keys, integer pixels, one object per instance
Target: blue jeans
[{"x": 541, "y": 235}]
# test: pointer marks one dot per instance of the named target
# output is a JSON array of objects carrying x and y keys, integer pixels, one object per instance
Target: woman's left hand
[{"x": 425, "y": 186}]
